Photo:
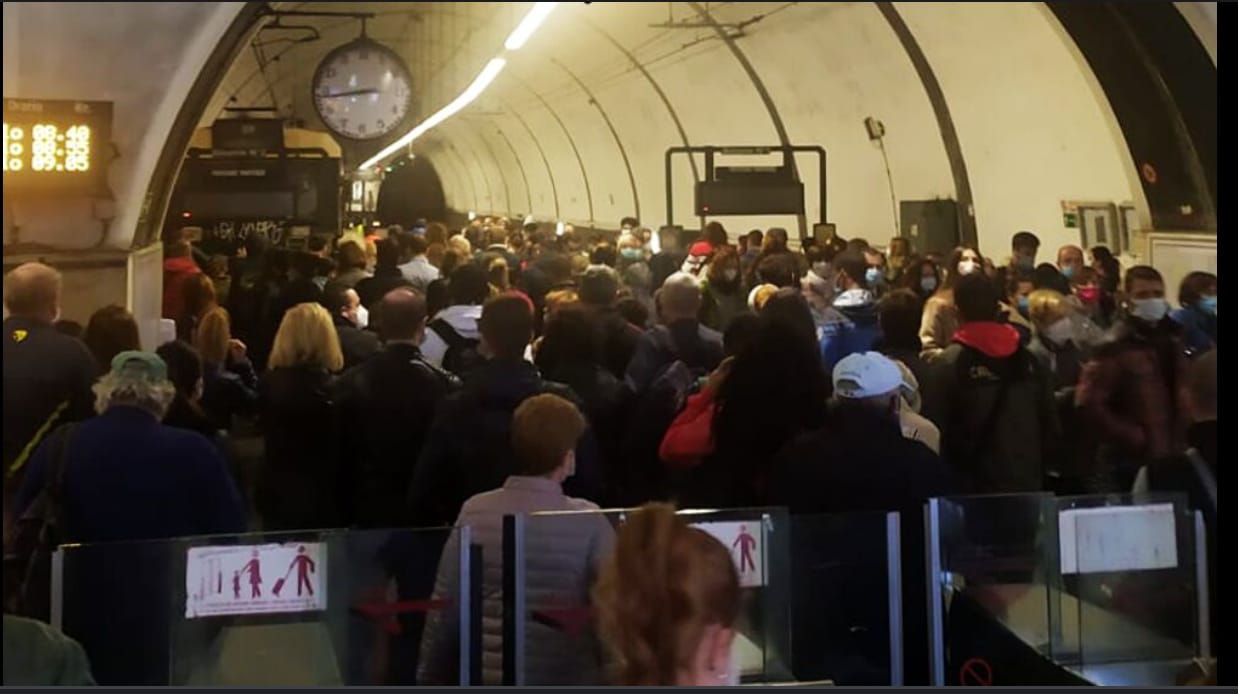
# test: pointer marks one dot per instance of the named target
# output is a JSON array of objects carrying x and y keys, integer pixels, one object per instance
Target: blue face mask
[
  {"x": 928, "y": 284},
  {"x": 632, "y": 253},
  {"x": 1025, "y": 262},
  {"x": 1022, "y": 304},
  {"x": 1068, "y": 271},
  {"x": 1208, "y": 304},
  {"x": 873, "y": 276}
]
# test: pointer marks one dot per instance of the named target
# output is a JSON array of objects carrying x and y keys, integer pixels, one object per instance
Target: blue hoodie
[{"x": 853, "y": 327}]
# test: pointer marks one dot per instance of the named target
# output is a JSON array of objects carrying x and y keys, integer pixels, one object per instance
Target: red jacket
[
  {"x": 690, "y": 437},
  {"x": 175, "y": 272}
]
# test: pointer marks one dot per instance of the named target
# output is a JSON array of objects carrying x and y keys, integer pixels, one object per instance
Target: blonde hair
[
  {"x": 560, "y": 298},
  {"x": 665, "y": 583},
  {"x": 1044, "y": 306},
  {"x": 460, "y": 245},
  {"x": 211, "y": 338},
  {"x": 306, "y": 337}
]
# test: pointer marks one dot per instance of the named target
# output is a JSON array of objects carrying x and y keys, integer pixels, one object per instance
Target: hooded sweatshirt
[
  {"x": 698, "y": 258},
  {"x": 852, "y": 328},
  {"x": 462, "y": 319},
  {"x": 993, "y": 402}
]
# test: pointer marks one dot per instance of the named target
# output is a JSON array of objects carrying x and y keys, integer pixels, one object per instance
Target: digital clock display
[{"x": 56, "y": 146}]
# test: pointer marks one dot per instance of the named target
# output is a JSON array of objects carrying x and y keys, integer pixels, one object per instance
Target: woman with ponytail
[{"x": 667, "y": 602}]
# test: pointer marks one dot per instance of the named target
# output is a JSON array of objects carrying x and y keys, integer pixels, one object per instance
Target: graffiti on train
[{"x": 237, "y": 232}]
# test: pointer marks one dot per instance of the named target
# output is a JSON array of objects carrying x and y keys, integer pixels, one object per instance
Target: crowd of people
[{"x": 433, "y": 376}]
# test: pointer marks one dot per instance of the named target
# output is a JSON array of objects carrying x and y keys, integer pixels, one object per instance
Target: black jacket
[
  {"x": 357, "y": 345},
  {"x": 993, "y": 402},
  {"x": 371, "y": 290},
  {"x": 299, "y": 485},
  {"x": 47, "y": 381},
  {"x": 185, "y": 415},
  {"x": 663, "y": 265},
  {"x": 388, "y": 403},
  {"x": 605, "y": 402},
  {"x": 229, "y": 391},
  {"x": 859, "y": 461},
  {"x": 468, "y": 449},
  {"x": 617, "y": 339}
]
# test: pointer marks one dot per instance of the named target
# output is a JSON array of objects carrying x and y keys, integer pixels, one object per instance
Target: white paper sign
[
  {"x": 1118, "y": 538},
  {"x": 256, "y": 579},
  {"x": 745, "y": 540}
]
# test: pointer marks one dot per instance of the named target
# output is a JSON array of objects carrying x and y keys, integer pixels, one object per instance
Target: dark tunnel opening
[{"x": 411, "y": 191}]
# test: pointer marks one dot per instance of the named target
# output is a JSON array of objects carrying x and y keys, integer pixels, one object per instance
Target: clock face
[{"x": 362, "y": 90}]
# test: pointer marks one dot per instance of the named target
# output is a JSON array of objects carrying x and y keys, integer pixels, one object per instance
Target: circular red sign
[
  {"x": 1148, "y": 172},
  {"x": 976, "y": 673}
]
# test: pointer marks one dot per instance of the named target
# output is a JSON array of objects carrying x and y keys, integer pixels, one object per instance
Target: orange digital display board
[{"x": 56, "y": 146}]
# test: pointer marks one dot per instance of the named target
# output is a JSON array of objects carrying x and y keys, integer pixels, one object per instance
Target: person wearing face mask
[
  {"x": 389, "y": 401},
  {"x": 855, "y": 327},
  {"x": 1014, "y": 309},
  {"x": 1023, "y": 249},
  {"x": 1057, "y": 345},
  {"x": 657, "y": 555},
  {"x": 940, "y": 320},
  {"x": 351, "y": 320},
  {"x": 722, "y": 293},
  {"x": 1198, "y": 316},
  {"x": 875, "y": 274},
  {"x": 1069, "y": 260},
  {"x": 1091, "y": 301},
  {"x": 561, "y": 558},
  {"x": 922, "y": 277},
  {"x": 1133, "y": 391}
]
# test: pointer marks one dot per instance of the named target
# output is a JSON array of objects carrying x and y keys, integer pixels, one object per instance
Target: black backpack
[
  {"x": 35, "y": 537},
  {"x": 462, "y": 356},
  {"x": 646, "y": 478}
]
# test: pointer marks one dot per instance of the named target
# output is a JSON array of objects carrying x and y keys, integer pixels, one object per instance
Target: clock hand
[{"x": 355, "y": 92}]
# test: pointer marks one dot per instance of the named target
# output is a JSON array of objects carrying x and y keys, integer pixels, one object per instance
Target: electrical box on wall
[{"x": 929, "y": 225}]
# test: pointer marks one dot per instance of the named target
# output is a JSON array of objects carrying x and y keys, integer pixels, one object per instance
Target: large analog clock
[{"x": 362, "y": 90}]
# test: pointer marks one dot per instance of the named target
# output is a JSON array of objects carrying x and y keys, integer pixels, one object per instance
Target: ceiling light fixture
[
  {"x": 528, "y": 25},
  {"x": 523, "y": 32}
]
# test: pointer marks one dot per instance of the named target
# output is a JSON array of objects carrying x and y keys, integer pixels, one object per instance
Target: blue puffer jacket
[
  {"x": 852, "y": 327},
  {"x": 1199, "y": 329}
]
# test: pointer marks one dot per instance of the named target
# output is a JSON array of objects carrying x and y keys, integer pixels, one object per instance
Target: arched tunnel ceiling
[{"x": 577, "y": 126}]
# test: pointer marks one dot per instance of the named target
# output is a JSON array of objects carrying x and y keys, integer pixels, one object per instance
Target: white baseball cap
[{"x": 866, "y": 375}]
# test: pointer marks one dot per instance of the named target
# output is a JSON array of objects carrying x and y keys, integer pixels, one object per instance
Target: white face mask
[
  {"x": 730, "y": 274},
  {"x": 821, "y": 270},
  {"x": 1150, "y": 310},
  {"x": 967, "y": 267},
  {"x": 1060, "y": 332},
  {"x": 363, "y": 317}
]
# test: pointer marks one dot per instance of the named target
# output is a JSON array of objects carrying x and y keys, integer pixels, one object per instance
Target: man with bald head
[
  {"x": 47, "y": 375},
  {"x": 389, "y": 402},
  {"x": 1070, "y": 260},
  {"x": 680, "y": 337}
]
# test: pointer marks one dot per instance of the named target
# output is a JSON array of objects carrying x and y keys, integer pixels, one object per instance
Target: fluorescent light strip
[
  {"x": 519, "y": 37},
  {"x": 528, "y": 25},
  {"x": 483, "y": 80}
]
